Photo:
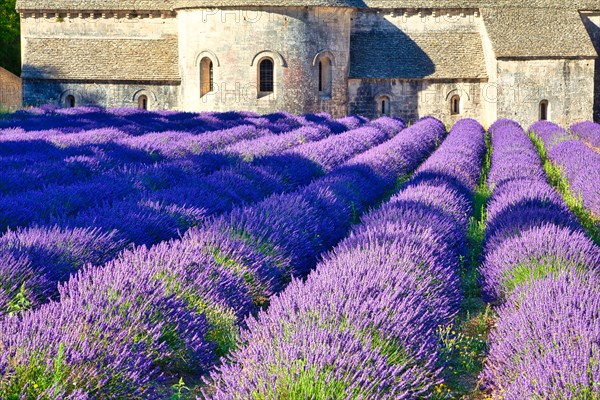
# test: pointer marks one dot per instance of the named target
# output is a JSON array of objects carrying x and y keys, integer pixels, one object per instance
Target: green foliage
[
  {"x": 32, "y": 379},
  {"x": 535, "y": 269},
  {"x": 10, "y": 40},
  {"x": 475, "y": 236},
  {"x": 391, "y": 348},
  {"x": 240, "y": 269},
  {"x": 261, "y": 245},
  {"x": 223, "y": 323},
  {"x": 557, "y": 178},
  {"x": 179, "y": 388},
  {"x": 299, "y": 383},
  {"x": 464, "y": 352},
  {"x": 19, "y": 303}
]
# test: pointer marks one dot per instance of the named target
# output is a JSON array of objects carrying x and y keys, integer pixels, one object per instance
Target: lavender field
[{"x": 170, "y": 255}]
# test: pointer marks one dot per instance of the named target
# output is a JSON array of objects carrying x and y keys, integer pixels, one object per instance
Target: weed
[{"x": 179, "y": 388}]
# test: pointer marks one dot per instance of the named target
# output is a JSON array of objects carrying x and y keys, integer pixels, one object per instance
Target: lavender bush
[
  {"x": 546, "y": 344},
  {"x": 169, "y": 313},
  {"x": 587, "y": 131},
  {"x": 35, "y": 259},
  {"x": 522, "y": 209},
  {"x": 176, "y": 205},
  {"x": 542, "y": 267},
  {"x": 178, "y": 198},
  {"x": 578, "y": 162},
  {"x": 363, "y": 324}
]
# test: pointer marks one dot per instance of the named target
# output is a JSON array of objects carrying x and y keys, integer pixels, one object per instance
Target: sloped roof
[
  {"x": 102, "y": 59},
  {"x": 397, "y": 54},
  {"x": 527, "y": 32}
]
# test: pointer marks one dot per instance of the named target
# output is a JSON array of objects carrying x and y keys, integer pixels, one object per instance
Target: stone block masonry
[{"x": 11, "y": 97}]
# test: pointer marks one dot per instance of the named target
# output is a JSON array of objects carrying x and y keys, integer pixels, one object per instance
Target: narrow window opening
[
  {"x": 265, "y": 76},
  {"x": 206, "y": 76},
  {"x": 455, "y": 105},
  {"x": 143, "y": 102},
  {"x": 320, "y": 76},
  {"x": 544, "y": 110},
  {"x": 70, "y": 101},
  {"x": 325, "y": 77},
  {"x": 383, "y": 105}
]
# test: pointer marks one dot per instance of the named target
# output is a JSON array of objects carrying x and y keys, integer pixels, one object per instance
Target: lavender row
[
  {"x": 66, "y": 158},
  {"x": 136, "y": 122},
  {"x": 543, "y": 269},
  {"x": 163, "y": 214},
  {"x": 363, "y": 324},
  {"x": 66, "y": 199},
  {"x": 174, "y": 144},
  {"x": 250, "y": 149},
  {"x": 87, "y": 154},
  {"x": 174, "y": 308},
  {"x": 45, "y": 141},
  {"x": 579, "y": 163},
  {"x": 58, "y": 202},
  {"x": 172, "y": 209},
  {"x": 70, "y": 159},
  {"x": 588, "y": 131},
  {"x": 31, "y": 279}
]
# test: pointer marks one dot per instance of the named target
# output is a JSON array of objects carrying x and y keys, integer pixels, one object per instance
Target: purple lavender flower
[
  {"x": 542, "y": 266},
  {"x": 364, "y": 322},
  {"x": 587, "y": 131},
  {"x": 336, "y": 149},
  {"x": 536, "y": 252},
  {"x": 173, "y": 308},
  {"x": 578, "y": 162},
  {"x": 545, "y": 344},
  {"x": 274, "y": 144},
  {"x": 35, "y": 259}
]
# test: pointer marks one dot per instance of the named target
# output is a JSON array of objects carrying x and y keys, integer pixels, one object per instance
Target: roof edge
[{"x": 529, "y": 58}]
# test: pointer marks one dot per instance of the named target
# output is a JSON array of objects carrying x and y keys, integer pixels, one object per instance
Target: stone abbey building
[{"x": 485, "y": 59}]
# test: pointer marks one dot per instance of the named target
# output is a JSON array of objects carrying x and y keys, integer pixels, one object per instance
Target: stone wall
[
  {"x": 431, "y": 93},
  {"x": 568, "y": 85},
  {"x": 10, "y": 91},
  {"x": 236, "y": 41},
  {"x": 489, "y": 91},
  {"x": 592, "y": 23},
  {"x": 414, "y": 99},
  {"x": 107, "y": 59},
  {"x": 108, "y": 94}
]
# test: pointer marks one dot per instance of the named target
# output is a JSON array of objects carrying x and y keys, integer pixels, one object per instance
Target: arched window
[
  {"x": 383, "y": 105},
  {"x": 265, "y": 76},
  {"x": 455, "y": 105},
  {"x": 70, "y": 101},
  {"x": 206, "y": 76},
  {"x": 143, "y": 102},
  {"x": 325, "y": 77},
  {"x": 543, "y": 110}
]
